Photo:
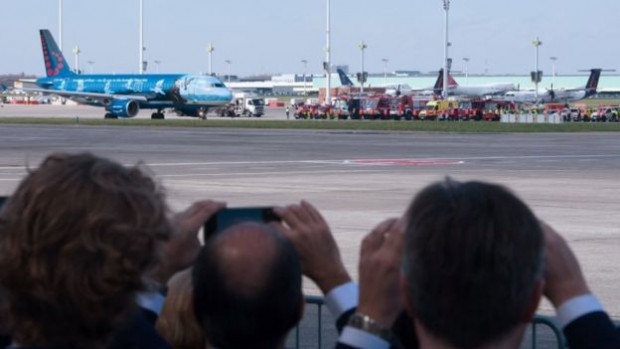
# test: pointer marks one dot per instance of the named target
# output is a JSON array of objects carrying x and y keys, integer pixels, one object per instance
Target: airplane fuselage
[
  {"x": 480, "y": 90},
  {"x": 545, "y": 96},
  {"x": 159, "y": 90}
]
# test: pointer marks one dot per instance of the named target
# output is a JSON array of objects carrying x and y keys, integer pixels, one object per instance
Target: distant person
[{"x": 288, "y": 111}]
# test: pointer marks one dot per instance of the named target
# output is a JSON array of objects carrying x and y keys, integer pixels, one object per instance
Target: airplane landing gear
[
  {"x": 158, "y": 116},
  {"x": 202, "y": 113},
  {"x": 110, "y": 116}
]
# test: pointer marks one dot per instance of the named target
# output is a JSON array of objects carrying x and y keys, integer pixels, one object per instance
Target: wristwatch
[{"x": 367, "y": 324}]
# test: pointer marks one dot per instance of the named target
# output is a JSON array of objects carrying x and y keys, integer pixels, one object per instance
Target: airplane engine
[{"x": 123, "y": 108}]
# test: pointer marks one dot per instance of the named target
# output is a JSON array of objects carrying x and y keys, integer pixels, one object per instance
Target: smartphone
[
  {"x": 3, "y": 199},
  {"x": 228, "y": 217}
]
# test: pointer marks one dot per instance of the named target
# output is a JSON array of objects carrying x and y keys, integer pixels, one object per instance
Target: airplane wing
[{"x": 92, "y": 96}]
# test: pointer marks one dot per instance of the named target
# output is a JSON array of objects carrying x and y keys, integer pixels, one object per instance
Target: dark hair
[
  {"x": 235, "y": 318},
  {"x": 75, "y": 240},
  {"x": 473, "y": 254}
]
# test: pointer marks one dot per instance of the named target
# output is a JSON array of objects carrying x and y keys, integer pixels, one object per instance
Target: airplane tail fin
[
  {"x": 344, "y": 79},
  {"x": 451, "y": 81},
  {"x": 438, "y": 87},
  {"x": 592, "y": 84},
  {"x": 55, "y": 62}
]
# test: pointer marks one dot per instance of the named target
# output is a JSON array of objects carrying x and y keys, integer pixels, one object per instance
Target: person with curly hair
[{"x": 79, "y": 239}]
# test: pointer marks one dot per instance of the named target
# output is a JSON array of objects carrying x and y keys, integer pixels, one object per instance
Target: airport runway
[
  {"x": 83, "y": 111},
  {"x": 357, "y": 178}
]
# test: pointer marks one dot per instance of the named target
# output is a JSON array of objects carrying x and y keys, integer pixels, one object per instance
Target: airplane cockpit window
[{"x": 218, "y": 85}]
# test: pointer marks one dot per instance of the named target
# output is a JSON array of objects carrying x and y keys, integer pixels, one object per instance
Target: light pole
[
  {"x": 210, "y": 50},
  {"x": 536, "y": 44},
  {"x": 305, "y": 63},
  {"x": 385, "y": 71},
  {"x": 553, "y": 60},
  {"x": 362, "y": 46},
  {"x": 229, "y": 62},
  {"x": 60, "y": 23},
  {"x": 157, "y": 62},
  {"x": 76, "y": 52},
  {"x": 327, "y": 65},
  {"x": 446, "y": 7},
  {"x": 90, "y": 64},
  {"x": 141, "y": 48},
  {"x": 466, "y": 60}
]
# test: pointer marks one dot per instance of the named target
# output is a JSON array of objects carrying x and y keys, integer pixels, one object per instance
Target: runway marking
[
  {"x": 341, "y": 161},
  {"x": 266, "y": 173},
  {"x": 403, "y": 162},
  {"x": 20, "y": 168}
]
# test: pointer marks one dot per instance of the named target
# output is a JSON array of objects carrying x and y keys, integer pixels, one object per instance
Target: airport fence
[
  {"x": 531, "y": 119},
  {"x": 317, "y": 330}
]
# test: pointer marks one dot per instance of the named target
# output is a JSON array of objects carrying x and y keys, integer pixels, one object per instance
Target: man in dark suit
[
  {"x": 486, "y": 235},
  {"x": 471, "y": 257}
]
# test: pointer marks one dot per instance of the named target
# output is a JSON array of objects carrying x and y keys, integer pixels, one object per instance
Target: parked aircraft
[
  {"x": 391, "y": 89},
  {"x": 454, "y": 89},
  {"x": 124, "y": 95},
  {"x": 559, "y": 95}
]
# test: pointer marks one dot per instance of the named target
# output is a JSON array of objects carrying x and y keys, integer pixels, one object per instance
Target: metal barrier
[
  {"x": 547, "y": 322},
  {"x": 539, "y": 321},
  {"x": 319, "y": 302}
]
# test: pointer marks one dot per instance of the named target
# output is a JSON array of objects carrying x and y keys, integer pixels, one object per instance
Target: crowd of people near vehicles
[{"x": 90, "y": 257}]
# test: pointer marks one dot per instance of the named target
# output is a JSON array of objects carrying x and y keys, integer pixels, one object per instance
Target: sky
[{"x": 274, "y": 36}]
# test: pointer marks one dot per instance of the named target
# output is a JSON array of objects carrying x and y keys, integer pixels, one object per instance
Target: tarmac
[
  {"x": 88, "y": 112},
  {"x": 357, "y": 179}
]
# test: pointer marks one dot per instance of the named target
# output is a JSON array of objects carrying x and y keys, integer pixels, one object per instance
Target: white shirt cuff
[
  {"x": 153, "y": 301},
  {"x": 576, "y": 308},
  {"x": 342, "y": 298},
  {"x": 361, "y": 339}
]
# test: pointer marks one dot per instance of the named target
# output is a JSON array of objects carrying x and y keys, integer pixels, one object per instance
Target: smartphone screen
[{"x": 226, "y": 218}]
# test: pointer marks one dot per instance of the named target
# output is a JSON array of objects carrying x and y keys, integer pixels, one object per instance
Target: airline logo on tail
[
  {"x": 592, "y": 84},
  {"x": 438, "y": 87},
  {"x": 344, "y": 79},
  {"x": 55, "y": 62},
  {"x": 451, "y": 81}
]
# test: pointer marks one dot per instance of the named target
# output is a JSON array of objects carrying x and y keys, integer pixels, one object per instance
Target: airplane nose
[{"x": 227, "y": 94}]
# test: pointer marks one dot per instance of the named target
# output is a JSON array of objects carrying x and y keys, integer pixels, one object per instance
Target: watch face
[{"x": 367, "y": 324}]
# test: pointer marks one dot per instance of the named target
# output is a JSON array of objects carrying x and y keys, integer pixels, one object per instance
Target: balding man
[{"x": 247, "y": 288}]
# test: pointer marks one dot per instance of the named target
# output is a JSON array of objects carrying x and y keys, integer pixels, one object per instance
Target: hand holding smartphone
[{"x": 228, "y": 217}]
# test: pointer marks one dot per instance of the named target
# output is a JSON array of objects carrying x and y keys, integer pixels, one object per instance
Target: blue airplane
[{"x": 124, "y": 95}]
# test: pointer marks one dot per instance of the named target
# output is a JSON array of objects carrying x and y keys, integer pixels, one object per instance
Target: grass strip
[{"x": 346, "y": 125}]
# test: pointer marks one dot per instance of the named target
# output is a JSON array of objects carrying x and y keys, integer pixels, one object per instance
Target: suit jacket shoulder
[{"x": 592, "y": 331}]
